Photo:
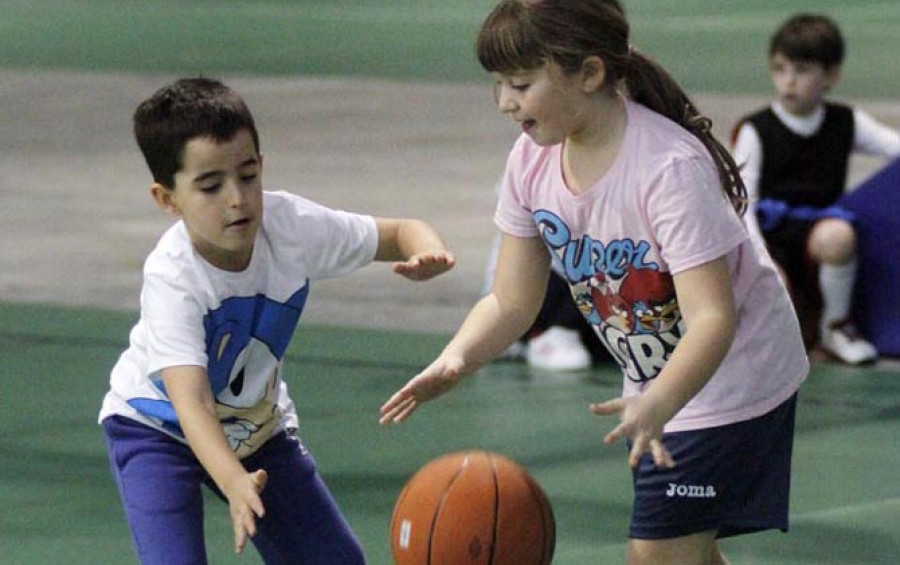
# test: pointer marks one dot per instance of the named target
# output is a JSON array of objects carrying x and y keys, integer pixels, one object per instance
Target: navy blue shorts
[
  {"x": 160, "y": 482},
  {"x": 733, "y": 479}
]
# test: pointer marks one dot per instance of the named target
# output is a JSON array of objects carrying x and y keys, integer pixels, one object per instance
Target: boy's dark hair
[
  {"x": 809, "y": 37},
  {"x": 184, "y": 110}
]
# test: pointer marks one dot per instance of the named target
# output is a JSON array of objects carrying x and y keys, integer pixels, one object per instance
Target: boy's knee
[{"x": 832, "y": 241}]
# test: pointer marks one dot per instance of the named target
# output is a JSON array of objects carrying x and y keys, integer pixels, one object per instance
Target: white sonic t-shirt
[
  {"x": 658, "y": 211},
  {"x": 236, "y": 324}
]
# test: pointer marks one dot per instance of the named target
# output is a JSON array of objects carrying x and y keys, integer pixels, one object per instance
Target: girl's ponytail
[{"x": 649, "y": 84}]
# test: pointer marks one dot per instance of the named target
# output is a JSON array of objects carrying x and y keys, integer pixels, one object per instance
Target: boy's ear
[
  {"x": 593, "y": 73},
  {"x": 834, "y": 75},
  {"x": 165, "y": 199}
]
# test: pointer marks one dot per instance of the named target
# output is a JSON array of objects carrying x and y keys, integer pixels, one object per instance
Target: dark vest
[{"x": 805, "y": 171}]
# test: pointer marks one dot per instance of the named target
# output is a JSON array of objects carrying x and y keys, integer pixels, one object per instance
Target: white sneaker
[
  {"x": 515, "y": 352},
  {"x": 842, "y": 340},
  {"x": 558, "y": 349}
]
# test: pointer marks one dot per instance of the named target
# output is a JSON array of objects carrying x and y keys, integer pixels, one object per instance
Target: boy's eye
[
  {"x": 210, "y": 188},
  {"x": 248, "y": 177}
]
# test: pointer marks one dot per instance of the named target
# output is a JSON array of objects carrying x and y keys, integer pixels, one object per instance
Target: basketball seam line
[
  {"x": 440, "y": 505},
  {"x": 496, "y": 529}
]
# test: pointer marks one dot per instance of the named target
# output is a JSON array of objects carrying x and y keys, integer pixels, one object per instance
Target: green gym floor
[{"x": 60, "y": 504}]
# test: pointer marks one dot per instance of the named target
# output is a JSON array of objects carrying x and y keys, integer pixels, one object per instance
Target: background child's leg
[
  {"x": 832, "y": 243},
  {"x": 836, "y": 282},
  {"x": 787, "y": 245},
  {"x": 556, "y": 338},
  {"x": 160, "y": 482},
  {"x": 303, "y": 523}
]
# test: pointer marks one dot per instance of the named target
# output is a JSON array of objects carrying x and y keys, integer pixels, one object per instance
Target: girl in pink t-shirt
[{"x": 618, "y": 182}]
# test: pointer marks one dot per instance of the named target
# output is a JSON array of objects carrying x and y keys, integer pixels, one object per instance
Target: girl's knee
[{"x": 694, "y": 549}]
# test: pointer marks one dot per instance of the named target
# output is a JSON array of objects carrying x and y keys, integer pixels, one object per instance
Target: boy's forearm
[
  {"x": 399, "y": 240},
  {"x": 207, "y": 440},
  {"x": 188, "y": 388}
]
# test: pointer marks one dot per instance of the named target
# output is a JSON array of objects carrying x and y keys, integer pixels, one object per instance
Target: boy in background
[
  {"x": 794, "y": 156},
  {"x": 199, "y": 397}
]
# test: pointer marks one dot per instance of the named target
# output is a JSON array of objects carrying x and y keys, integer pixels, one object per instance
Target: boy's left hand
[
  {"x": 640, "y": 422},
  {"x": 424, "y": 266},
  {"x": 246, "y": 505}
]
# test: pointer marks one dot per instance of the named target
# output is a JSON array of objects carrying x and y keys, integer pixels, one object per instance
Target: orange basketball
[{"x": 472, "y": 507}]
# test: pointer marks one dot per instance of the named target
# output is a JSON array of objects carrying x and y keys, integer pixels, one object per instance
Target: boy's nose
[{"x": 235, "y": 195}]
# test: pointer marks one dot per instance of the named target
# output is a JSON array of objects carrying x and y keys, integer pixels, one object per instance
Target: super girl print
[{"x": 621, "y": 292}]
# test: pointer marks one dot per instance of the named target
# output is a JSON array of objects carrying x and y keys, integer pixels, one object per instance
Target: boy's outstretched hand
[
  {"x": 424, "y": 266},
  {"x": 435, "y": 380},
  {"x": 246, "y": 506}
]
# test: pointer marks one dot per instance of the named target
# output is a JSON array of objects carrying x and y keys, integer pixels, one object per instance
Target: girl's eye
[
  {"x": 520, "y": 87},
  {"x": 210, "y": 189},
  {"x": 248, "y": 178}
]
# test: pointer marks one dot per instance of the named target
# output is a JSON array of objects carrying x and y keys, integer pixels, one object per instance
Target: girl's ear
[
  {"x": 593, "y": 73},
  {"x": 165, "y": 199}
]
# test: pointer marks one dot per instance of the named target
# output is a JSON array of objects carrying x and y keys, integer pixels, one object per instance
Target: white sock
[{"x": 836, "y": 283}]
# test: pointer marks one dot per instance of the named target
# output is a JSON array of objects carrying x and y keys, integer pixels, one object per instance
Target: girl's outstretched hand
[
  {"x": 435, "y": 380},
  {"x": 424, "y": 266},
  {"x": 641, "y": 422}
]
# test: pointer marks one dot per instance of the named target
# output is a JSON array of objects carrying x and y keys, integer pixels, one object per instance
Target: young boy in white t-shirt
[{"x": 198, "y": 396}]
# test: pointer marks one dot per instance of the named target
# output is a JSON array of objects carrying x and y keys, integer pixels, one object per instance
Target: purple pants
[{"x": 160, "y": 483}]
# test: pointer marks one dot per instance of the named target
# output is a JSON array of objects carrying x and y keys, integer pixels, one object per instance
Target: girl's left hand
[
  {"x": 641, "y": 422},
  {"x": 424, "y": 266}
]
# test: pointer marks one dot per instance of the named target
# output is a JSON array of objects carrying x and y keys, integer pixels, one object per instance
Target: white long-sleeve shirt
[{"x": 870, "y": 137}]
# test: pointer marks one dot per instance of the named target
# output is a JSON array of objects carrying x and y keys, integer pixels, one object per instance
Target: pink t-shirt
[{"x": 659, "y": 210}]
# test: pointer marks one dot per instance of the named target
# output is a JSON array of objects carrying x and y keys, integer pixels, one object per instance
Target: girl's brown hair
[{"x": 525, "y": 34}]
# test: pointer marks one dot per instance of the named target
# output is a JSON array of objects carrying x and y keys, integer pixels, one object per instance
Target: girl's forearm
[
  {"x": 694, "y": 361},
  {"x": 488, "y": 330}
]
